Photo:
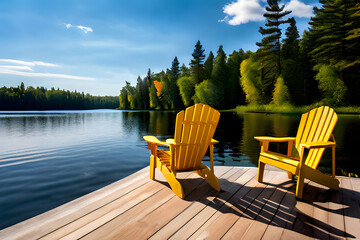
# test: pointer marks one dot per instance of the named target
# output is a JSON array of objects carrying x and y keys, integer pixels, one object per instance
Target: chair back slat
[
  {"x": 194, "y": 130},
  {"x": 315, "y": 126}
]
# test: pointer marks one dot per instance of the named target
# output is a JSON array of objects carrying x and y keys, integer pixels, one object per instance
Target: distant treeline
[
  {"x": 322, "y": 67},
  {"x": 19, "y": 98}
]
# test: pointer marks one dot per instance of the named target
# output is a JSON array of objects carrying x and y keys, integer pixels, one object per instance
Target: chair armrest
[
  {"x": 213, "y": 141},
  {"x": 311, "y": 145},
  {"x": 275, "y": 139},
  {"x": 154, "y": 140}
]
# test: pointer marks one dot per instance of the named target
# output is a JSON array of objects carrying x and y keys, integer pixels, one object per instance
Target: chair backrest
[
  {"x": 316, "y": 126},
  {"x": 194, "y": 129}
]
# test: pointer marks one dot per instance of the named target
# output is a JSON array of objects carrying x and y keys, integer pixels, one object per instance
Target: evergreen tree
[
  {"x": 219, "y": 78},
  {"x": 233, "y": 92},
  {"x": 139, "y": 94},
  {"x": 172, "y": 86},
  {"x": 175, "y": 69},
  {"x": 270, "y": 44},
  {"x": 185, "y": 71},
  {"x": 197, "y": 65},
  {"x": 335, "y": 26},
  {"x": 208, "y": 66},
  {"x": 291, "y": 74},
  {"x": 290, "y": 47}
]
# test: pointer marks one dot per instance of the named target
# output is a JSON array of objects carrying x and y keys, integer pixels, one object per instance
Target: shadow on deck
[{"x": 138, "y": 208}]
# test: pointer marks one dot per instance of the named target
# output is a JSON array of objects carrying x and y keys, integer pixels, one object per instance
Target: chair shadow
[{"x": 285, "y": 214}]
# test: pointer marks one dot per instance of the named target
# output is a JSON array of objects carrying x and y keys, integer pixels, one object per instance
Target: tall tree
[
  {"x": 291, "y": 75},
  {"x": 197, "y": 63},
  {"x": 270, "y": 43},
  {"x": 335, "y": 26},
  {"x": 185, "y": 71},
  {"x": 208, "y": 66},
  {"x": 219, "y": 77},
  {"x": 174, "y": 73},
  {"x": 139, "y": 94},
  {"x": 233, "y": 92},
  {"x": 175, "y": 69},
  {"x": 290, "y": 47}
]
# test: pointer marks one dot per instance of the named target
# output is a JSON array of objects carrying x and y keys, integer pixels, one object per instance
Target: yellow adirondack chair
[
  {"x": 313, "y": 135},
  {"x": 194, "y": 129}
]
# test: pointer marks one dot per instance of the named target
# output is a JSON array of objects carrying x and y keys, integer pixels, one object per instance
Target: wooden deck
[{"x": 138, "y": 208}]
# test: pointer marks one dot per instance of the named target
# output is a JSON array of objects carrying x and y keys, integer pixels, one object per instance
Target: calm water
[{"x": 52, "y": 157}]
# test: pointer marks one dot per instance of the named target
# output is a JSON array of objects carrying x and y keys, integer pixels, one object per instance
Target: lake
[{"x": 49, "y": 158}]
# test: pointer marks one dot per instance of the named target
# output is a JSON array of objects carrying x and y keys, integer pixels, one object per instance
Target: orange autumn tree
[{"x": 159, "y": 87}]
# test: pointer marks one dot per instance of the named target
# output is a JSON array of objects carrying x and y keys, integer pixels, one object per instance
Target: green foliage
[
  {"x": 270, "y": 43},
  {"x": 185, "y": 71},
  {"x": 204, "y": 93},
  {"x": 281, "y": 94},
  {"x": 154, "y": 100},
  {"x": 197, "y": 65},
  {"x": 187, "y": 89},
  {"x": 290, "y": 47},
  {"x": 219, "y": 78},
  {"x": 39, "y": 98},
  {"x": 333, "y": 89},
  {"x": 208, "y": 66},
  {"x": 233, "y": 91},
  {"x": 335, "y": 28},
  {"x": 250, "y": 81}
]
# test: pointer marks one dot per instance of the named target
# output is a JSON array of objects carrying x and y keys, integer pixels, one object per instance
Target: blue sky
[{"x": 94, "y": 46}]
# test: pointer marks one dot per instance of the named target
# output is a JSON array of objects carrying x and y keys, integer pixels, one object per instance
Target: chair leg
[
  {"x": 209, "y": 176},
  {"x": 290, "y": 175},
  {"x": 300, "y": 186},
  {"x": 173, "y": 182},
  {"x": 152, "y": 167},
  {"x": 260, "y": 172}
]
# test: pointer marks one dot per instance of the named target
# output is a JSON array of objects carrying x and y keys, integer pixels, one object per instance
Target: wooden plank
[
  {"x": 151, "y": 223},
  {"x": 201, "y": 219},
  {"x": 285, "y": 215},
  {"x": 258, "y": 227},
  {"x": 226, "y": 181},
  {"x": 237, "y": 206},
  {"x": 351, "y": 209},
  {"x": 107, "y": 211},
  {"x": 336, "y": 215},
  {"x": 253, "y": 223},
  {"x": 42, "y": 224},
  {"x": 111, "y": 228}
]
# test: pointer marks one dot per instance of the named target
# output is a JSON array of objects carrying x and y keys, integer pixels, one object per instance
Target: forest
[
  {"x": 321, "y": 67},
  {"x": 19, "y": 98}
]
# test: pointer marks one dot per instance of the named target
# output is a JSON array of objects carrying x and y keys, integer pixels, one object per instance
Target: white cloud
[
  {"x": 30, "y": 64},
  {"x": 26, "y": 70},
  {"x": 243, "y": 11},
  {"x": 82, "y": 28},
  {"x": 299, "y": 9},
  {"x": 35, "y": 74}
]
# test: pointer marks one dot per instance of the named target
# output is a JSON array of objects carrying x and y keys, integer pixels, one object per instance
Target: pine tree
[
  {"x": 291, "y": 74},
  {"x": 219, "y": 77},
  {"x": 197, "y": 65},
  {"x": 174, "y": 74},
  {"x": 336, "y": 29},
  {"x": 208, "y": 66},
  {"x": 185, "y": 71},
  {"x": 233, "y": 91},
  {"x": 139, "y": 94},
  {"x": 290, "y": 47},
  {"x": 270, "y": 43},
  {"x": 175, "y": 69}
]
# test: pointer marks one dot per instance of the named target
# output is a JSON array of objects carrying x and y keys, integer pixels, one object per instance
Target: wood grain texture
[{"x": 243, "y": 209}]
